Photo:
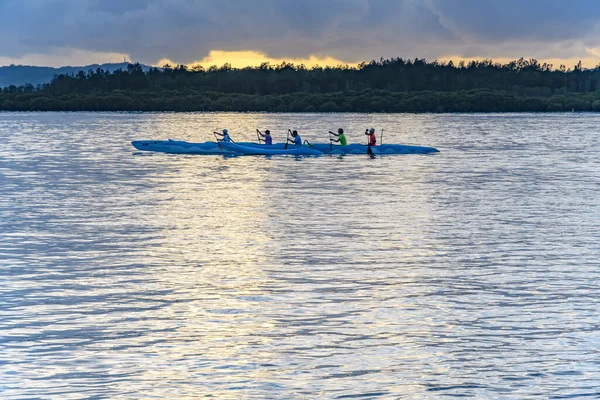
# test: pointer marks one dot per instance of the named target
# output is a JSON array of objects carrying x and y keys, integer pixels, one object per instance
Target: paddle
[
  {"x": 258, "y": 136},
  {"x": 330, "y": 141},
  {"x": 287, "y": 139},
  {"x": 381, "y": 140},
  {"x": 218, "y": 141},
  {"x": 369, "y": 150}
]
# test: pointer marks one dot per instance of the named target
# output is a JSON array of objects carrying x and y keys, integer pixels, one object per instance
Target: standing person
[
  {"x": 296, "y": 139},
  {"x": 267, "y": 137},
  {"x": 372, "y": 137},
  {"x": 224, "y": 135},
  {"x": 341, "y": 138}
]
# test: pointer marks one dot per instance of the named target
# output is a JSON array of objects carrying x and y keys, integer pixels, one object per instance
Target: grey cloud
[
  {"x": 544, "y": 20},
  {"x": 352, "y": 30}
]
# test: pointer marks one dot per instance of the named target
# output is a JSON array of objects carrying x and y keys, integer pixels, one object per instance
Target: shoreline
[
  {"x": 366, "y": 101},
  {"x": 294, "y": 112}
]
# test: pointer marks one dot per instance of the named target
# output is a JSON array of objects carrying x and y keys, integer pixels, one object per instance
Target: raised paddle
[{"x": 258, "y": 136}]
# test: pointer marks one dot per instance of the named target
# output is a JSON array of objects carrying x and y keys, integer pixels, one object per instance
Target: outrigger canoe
[{"x": 212, "y": 148}]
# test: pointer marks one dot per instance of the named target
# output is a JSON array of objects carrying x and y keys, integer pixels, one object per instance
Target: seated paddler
[
  {"x": 296, "y": 139},
  {"x": 224, "y": 135},
  {"x": 372, "y": 137},
  {"x": 266, "y": 137},
  {"x": 341, "y": 137}
]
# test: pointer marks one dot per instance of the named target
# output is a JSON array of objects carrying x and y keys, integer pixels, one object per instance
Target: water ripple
[{"x": 471, "y": 273}]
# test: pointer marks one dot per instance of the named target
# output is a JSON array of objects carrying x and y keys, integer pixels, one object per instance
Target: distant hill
[{"x": 22, "y": 74}]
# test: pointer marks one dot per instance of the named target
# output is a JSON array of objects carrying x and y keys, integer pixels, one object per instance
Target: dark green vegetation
[
  {"x": 22, "y": 74},
  {"x": 384, "y": 86}
]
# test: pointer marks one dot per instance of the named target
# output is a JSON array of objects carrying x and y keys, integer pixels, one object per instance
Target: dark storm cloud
[
  {"x": 518, "y": 19},
  {"x": 186, "y": 30}
]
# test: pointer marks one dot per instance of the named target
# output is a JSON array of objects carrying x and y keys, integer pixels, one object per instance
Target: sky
[{"x": 325, "y": 32}]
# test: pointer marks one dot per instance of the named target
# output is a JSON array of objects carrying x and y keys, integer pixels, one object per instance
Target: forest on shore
[{"x": 394, "y": 85}]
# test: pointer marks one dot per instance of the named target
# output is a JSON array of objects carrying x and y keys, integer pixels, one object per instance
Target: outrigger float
[{"x": 246, "y": 148}]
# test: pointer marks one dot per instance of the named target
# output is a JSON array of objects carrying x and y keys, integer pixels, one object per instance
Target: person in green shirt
[{"x": 341, "y": 138}]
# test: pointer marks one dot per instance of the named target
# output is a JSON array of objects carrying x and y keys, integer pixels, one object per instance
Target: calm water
[{"x": 470, "y": 273}]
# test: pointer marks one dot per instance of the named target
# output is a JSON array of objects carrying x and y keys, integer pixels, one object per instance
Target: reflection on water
[{"x": 469, "y": 273}]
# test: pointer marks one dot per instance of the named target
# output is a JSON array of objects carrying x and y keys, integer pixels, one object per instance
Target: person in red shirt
[{"x": 372, "y": 137}]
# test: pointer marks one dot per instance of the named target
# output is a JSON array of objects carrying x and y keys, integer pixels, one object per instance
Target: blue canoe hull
[
  {"x": 382, "y": 149},
  {"x": 212, "y": 148},
  {"x": 178, "y": 147},
  {"x": 274, "y": 150}
]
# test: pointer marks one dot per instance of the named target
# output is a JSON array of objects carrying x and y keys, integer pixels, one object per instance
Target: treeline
[
  {"x": 395, "y": 85},
  {"x": 524, "y": 77}
]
